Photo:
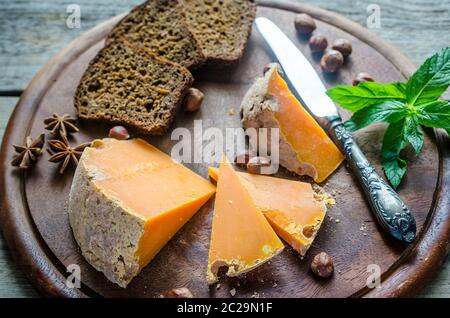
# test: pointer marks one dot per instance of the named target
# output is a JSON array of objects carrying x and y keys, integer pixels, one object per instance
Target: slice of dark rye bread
[
  {"x": 222, "y": 27},
  {"x": 161, "y": 26},
  {"x": 131, "y": 86}
]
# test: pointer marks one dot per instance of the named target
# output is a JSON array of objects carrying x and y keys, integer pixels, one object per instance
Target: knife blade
[{"x": 390, "y": 211}]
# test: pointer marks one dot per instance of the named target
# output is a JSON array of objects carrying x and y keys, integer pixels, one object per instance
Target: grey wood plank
[
  {"x": 33, "y": 31},
  {"x": 12, "y": 281}
]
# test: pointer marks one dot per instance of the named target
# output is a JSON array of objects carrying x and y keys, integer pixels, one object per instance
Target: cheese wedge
[
  {"x": 126, "y": 201},
  {"x": 291, "y": 207},
  {"x": 304, "y": 147},
  {"x": 241, "y": 237}
]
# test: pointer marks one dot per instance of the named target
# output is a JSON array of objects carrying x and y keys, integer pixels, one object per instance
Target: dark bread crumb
[
  {"x": 160, "y": 26},
  {"x": 222, "y": 27},
  {"x": 128, "y": 85}
]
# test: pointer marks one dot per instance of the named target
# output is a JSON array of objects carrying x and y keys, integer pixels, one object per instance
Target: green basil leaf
[
  {"x": 413, "y": 133},
  {"x": 393, "y": 142},
  {"x": 431, "y": 80},
  {"x": 365, "y": 94},
  {"x": 389, "y": 112},
  {"x": 434, "y": 114}
]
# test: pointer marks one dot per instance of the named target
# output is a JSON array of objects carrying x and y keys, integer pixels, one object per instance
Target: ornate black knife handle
[{"x": 389, "y": 209}]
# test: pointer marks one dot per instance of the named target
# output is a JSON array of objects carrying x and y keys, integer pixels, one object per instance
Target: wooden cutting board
[{"x": 34, "y": 217}]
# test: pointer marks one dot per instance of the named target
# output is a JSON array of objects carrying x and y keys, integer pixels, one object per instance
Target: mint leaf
[
  {"x": 413, "y": 133},
  {"x": 434, "y": 114},
  {"x": 365, "y": 94},
  {"x": 389, "y": 112},
  {"x": 396, "y": 138},
  {"x": 393, "y": 142},
  {"x": 431, "y": 80}
]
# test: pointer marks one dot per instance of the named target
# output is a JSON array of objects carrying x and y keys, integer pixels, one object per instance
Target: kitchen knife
[{"x": 390, "y": 211}]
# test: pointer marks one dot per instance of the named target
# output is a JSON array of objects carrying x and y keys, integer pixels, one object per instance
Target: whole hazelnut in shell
[
  {"x": 331, "y": 61},
  {"x": 322, "y": 265},
  {"x": 318, "y": 43},
  {"x": 304, "y": 23},
  {"x": 343, "y": 45}
]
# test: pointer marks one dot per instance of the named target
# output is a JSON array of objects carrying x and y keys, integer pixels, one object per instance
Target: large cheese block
[
  {"x": 127, "y": 200},
  {"x": 304, "y": 148},
  {"x": 241, "y": 237},
  {"x": 293, "y": 209}
]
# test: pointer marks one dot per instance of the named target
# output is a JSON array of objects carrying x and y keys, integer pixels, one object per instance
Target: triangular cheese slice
[
  {"x": 291, "y": 207},
  {"x": 241, "y": 237}
]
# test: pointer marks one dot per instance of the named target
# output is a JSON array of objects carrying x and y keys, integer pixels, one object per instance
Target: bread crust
[{"x": 176, "y": 96}]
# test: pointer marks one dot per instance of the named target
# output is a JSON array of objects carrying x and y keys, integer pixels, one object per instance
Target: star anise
[
  {"x": 61, "y": 125},
  {"x": 61, "y": 151},
  {"x": 28, "y": 154}
]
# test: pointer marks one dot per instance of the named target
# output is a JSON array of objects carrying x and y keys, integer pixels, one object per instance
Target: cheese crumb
[
  {"x": 233, "y": 292},
  {"x": 231, "y": 112}
]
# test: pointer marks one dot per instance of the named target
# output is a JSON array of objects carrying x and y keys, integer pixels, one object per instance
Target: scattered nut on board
[
  {"x": 318, "y": 43},
  {"x": 343, "y": 45},
  {"x": 322, "y": 265},
  {"x": 181, "y": 292},
  {"x": 331, "y": 61},
  {"x": 255, "y": 164},
  {"x": 361, "y": 78},
  {"x": 193, "y": 99},
  {"x": 119, "y": 132},
  {"x": 304, "y": 23},
  {"x": 243, "y": 157}
]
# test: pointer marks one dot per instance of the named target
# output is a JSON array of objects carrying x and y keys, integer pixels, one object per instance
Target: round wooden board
[{"x": 35, "y": 223}]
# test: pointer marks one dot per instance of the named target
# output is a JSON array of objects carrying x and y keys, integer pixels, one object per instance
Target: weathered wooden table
[{"x": 31, "y": 32}]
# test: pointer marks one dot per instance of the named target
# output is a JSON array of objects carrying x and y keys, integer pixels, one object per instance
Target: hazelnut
[
  {"x": 119, "y": 132},
  {"x": 193, "y": 99},
  {"x": 304, "y": 23},
  {"x": 322, "y": 265},
  {"x": 181, "y": 292},
  {"x": 361, "y": 78},
  {"x": 342, "y": 45},
  {"x": 255, "y": 164},
  {"x": 331, "y": 61},
  {"x": 242, "y": 158},
  {"x": 318, "y": 43}
]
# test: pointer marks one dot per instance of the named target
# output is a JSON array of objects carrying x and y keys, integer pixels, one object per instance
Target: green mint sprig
[{"x": 404, "y": 106}]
